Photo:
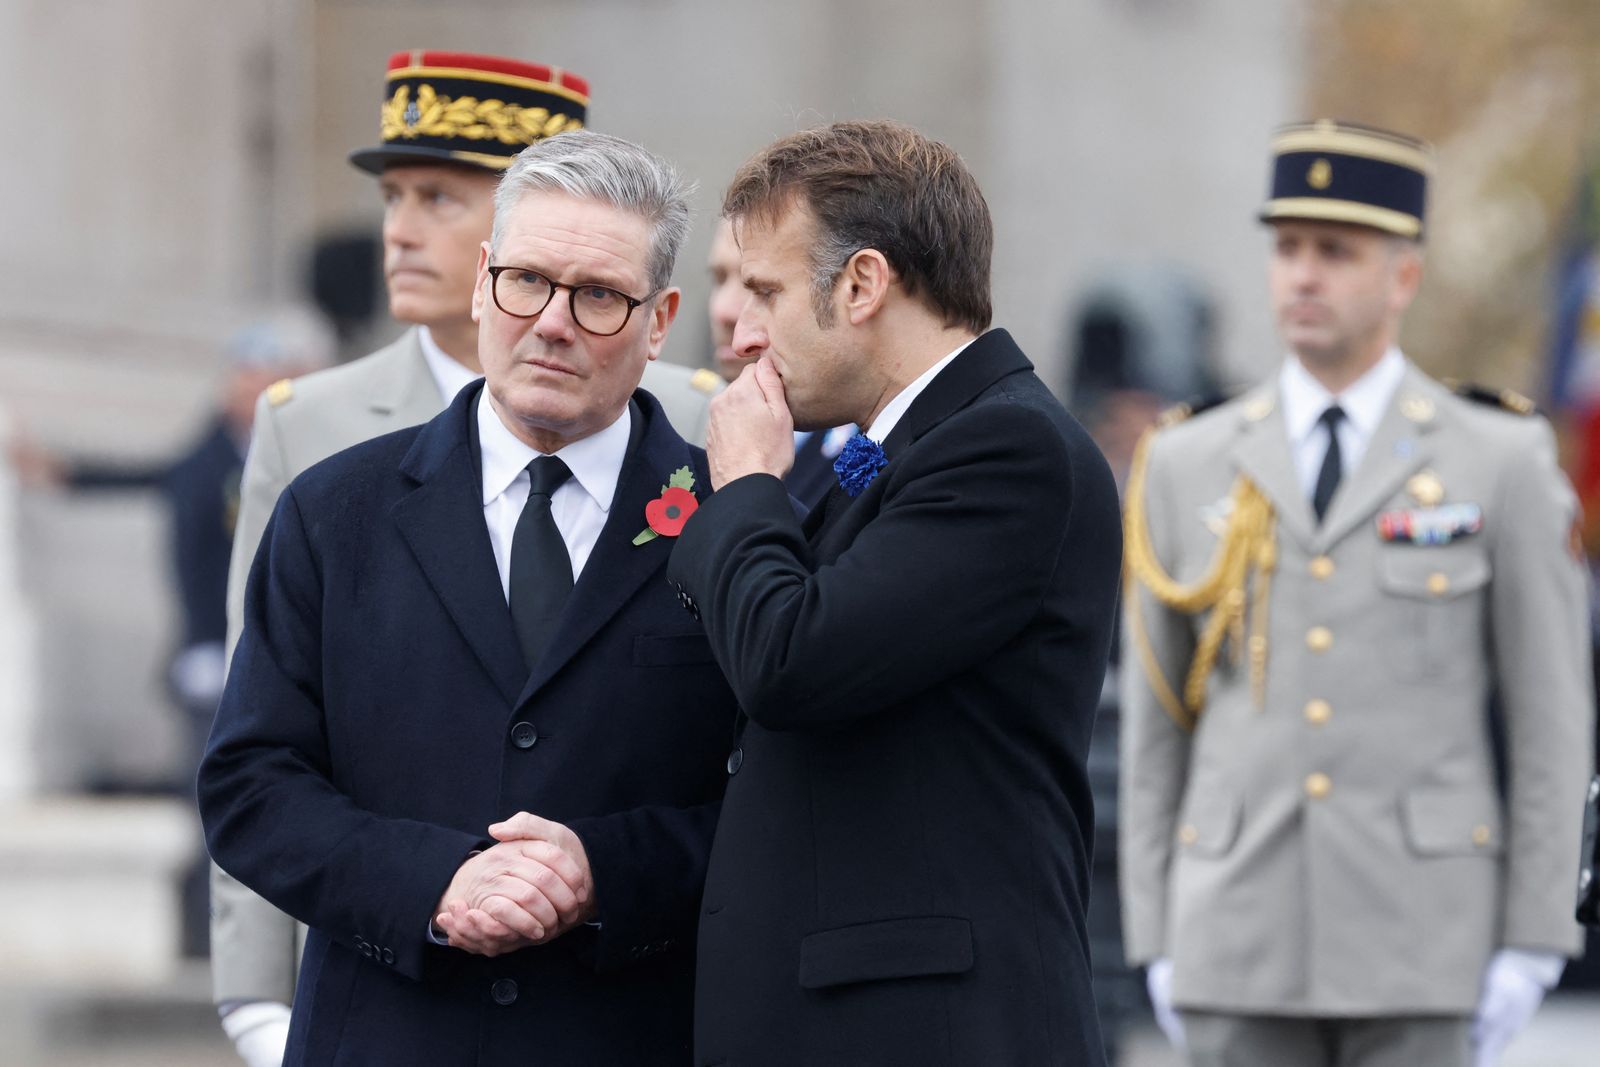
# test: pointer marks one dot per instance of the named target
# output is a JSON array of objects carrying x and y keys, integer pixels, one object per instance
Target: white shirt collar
[
  {"x": 1364, "y": 401},
  {"x": 450, "y": 376},
  {"x": 595, "y": 461},
  {"x": 884, "y": 424}
]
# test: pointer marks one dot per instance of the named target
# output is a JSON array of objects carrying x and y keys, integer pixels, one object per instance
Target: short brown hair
[{"x": 885, "y": 186}]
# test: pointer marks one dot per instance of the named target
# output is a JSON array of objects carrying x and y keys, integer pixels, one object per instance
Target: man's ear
[
  {"x": 480, "y": 288},
  {"x": 864, "y": 284},
  {"x": 661, "y": 317},
  {"x": 1407, "y": 275}
]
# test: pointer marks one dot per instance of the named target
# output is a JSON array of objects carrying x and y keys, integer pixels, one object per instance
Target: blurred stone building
[{"x": 171, "y": 164}]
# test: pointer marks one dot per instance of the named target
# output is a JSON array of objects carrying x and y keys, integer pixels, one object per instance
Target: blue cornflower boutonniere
[{"x": 859, "y": 463}]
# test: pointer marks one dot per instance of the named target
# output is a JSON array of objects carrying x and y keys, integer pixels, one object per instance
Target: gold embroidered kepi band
[
  {"x": 477, "y": 111},
  {"x": 1339, "y": 172}
]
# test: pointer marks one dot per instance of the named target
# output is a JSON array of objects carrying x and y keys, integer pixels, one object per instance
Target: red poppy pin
[{"x": 667, "y": 513}]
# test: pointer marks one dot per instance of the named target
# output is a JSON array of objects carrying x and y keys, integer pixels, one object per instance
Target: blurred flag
[{"x": 1573, "y": 391}]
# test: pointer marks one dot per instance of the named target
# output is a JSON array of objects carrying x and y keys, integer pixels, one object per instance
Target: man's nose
[
  {"x": 555, "y": 322},
  {"x": 749, "y": 337},
  {"x": 1305, "y": 272},
  {"x": 400, "y": 224}
]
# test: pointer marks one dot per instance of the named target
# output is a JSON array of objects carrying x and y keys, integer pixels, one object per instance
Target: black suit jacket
[
  {"x": 901, "y": 869},
  {"x": 378, "y": 717}
]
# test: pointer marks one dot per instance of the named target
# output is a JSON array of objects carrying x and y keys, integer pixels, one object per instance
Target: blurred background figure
[
  {"x": 1320, "y": 865},
  {"x": 200, "y": 489},
  {"x": 1572, "y": 398}
]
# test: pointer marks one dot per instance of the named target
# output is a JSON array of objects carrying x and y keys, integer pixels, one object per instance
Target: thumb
[
  {"x": 524, "y": 826},
  {"x": 770, "y": 381}
]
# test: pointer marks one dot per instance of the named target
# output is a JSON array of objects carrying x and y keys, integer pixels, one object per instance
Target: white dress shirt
[
  {"x": 579, "y": 505},
  {"x": 894, "y": 409},
  {"x": 451, "y": 377},
  {"x": 1364, "y": 402}
]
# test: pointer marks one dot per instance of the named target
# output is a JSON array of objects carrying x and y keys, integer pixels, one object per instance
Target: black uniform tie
[
  {"x": 1332, "y": 463},
  {"x": 541, "y": 570}
]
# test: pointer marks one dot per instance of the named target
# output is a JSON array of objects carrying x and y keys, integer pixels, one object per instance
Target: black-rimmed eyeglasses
[{"x": 598, "y": 309}]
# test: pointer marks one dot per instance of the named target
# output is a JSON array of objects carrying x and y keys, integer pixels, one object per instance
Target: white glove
[
  {"x": 1158, "y": 982},
  {"x": 1514, "y": 984},
  {"x": 259, "y": 1030}
]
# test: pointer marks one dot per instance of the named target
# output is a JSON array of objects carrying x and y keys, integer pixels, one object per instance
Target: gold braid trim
[
  {"x": 470, "y": 118},
  {"x": 1246, "y": 550}
]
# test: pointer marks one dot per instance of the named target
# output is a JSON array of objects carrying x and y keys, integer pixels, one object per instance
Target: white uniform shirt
[
  {"x": 1364, "y": 402},
  {"x": 451, "y": 377},
  {"x": 579, "y": 505}
]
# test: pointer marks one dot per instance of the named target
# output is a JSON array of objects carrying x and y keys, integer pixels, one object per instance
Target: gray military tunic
[{"x": 1325, "y": 837}]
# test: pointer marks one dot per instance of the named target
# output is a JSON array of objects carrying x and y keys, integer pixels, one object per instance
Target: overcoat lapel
[
  {"x": 617, "y": 567},
  {"x": 442, "y": 522},
  {"x": 990, "y": 357}
]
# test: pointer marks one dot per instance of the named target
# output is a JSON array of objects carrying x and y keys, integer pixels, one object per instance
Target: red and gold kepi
[
  {"x": 478, "y": 111},
  {"x": 1340, "y": 172}
]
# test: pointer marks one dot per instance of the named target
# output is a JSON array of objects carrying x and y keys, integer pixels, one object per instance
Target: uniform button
[
  {"x": 1319, "y": 639},
  {"x": 735, "y": 760},
  {"x": 523, "y": 735},
  {"x": 1318, "y": 712},
  {"x": 1188, "y": 835},
  {"x": 1481, "y": 835},
  {"x": 1318, "y": 785},
  {"x": 1438, "y": 583},
  {"x": 388, "y": 957},
  {"x": 1322, "y": 568},
  {"x": 504, "y": 991},
  {"x": 366, "y": 949}
]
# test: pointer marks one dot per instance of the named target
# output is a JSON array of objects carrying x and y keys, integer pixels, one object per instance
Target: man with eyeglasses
[
  {"x": 470, "y": 736},
  {"x": 436, "y": 171}
]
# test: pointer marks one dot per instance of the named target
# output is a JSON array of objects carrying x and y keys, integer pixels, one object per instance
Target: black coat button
[
  {"x": 735, "y": 760},
  {"x": 388, "y": 957},
  {"x": 366, "y": 949},
  {"x": 504, "y": 991},
  {"x": 523, "y": 735}
]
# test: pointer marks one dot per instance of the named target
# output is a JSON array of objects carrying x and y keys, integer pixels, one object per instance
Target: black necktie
[
  {"x": 1332, "y": 463},
  {"x": 541, "y": 570}
]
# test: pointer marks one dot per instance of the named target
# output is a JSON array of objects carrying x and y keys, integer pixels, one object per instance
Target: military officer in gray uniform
[
  {"x": 1328, "y": 577},
  {"x": 451, "y": 123}
]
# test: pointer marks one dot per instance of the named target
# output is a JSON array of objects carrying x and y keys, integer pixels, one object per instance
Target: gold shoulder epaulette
[
  {"x": 280, "y": 392},
  {"x": 1175, "y": 414},
  {"x": 1505, "y": 399},
  {"x": 1196, "y": 405},
  {"x": 706, "y": 381}
]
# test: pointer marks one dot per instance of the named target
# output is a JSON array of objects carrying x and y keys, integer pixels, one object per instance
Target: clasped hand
[{"x": 529, "y": 889}]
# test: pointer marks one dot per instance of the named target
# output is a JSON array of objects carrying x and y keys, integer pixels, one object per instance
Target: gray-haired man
[
  {"x": 459, "y": 624},
  {"x": 437, "y": 181}
]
